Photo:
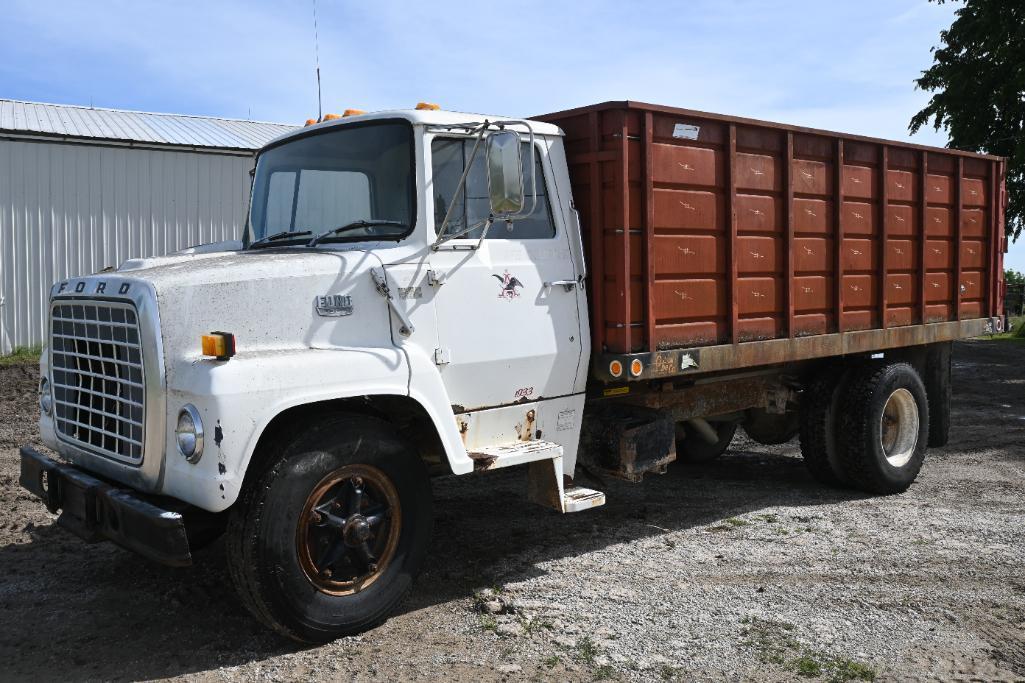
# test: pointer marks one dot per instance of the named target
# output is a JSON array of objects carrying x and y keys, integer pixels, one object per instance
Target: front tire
[
  {"x": 884, "y": 428},
  {"x": 327, "y": 540}
]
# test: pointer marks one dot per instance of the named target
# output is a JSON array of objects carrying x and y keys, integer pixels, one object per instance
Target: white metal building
[{"x": 83, "y": 189}]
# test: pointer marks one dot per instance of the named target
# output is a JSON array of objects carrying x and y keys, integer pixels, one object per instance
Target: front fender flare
[{"x": 239, "y": 398}]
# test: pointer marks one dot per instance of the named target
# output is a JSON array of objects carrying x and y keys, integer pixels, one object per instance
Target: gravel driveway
[{"x": 741, "y": 570}]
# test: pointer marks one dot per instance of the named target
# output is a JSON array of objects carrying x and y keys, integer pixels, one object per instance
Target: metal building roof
[{"x": 34, "y": 118}]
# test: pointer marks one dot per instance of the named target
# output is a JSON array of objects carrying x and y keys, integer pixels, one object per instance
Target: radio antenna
[{"x": 316, "y": 55}]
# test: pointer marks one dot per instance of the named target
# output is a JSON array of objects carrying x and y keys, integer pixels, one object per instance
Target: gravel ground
[{"x": 741, "y": 570}]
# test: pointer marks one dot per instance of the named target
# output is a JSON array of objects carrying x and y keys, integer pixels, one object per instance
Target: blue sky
[{"x": 845, "y": 66}]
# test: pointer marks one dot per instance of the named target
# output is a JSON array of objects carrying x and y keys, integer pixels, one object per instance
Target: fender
[{"x": 237, "y": 400}]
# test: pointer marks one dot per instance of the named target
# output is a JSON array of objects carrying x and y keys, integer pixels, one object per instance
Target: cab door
[{"x": 507, "y": 334}]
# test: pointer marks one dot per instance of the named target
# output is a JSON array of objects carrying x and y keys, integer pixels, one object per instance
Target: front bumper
[{"x": 95, "y": 511}]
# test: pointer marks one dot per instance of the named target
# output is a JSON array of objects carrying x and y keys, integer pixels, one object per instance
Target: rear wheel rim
[
  {"x": 348, "y": 529},
  {"x": 898, "y": 428}
]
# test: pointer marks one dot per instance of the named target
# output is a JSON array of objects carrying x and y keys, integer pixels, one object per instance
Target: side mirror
[{"x": 505, "y": 173}]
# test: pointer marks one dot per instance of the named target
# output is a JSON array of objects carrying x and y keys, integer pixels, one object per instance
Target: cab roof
[{"x": 417, "y": 117}]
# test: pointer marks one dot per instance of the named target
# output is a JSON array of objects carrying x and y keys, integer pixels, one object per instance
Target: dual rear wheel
[{"x": 866, "y": 427}]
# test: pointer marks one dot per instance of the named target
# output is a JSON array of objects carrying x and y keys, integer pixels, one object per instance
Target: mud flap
[{"x": 627, "y": 441}]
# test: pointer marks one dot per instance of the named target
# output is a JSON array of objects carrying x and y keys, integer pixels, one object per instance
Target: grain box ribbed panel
[
  {"x": 75, "y": 209},
  {"x": 704, "y": 229}
]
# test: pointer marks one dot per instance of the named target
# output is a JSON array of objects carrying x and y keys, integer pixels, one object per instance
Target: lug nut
[
  {"x": 372, "y": 567},
  {"x": 315, "y": 517},
  {"x": 326, "y": 573}
]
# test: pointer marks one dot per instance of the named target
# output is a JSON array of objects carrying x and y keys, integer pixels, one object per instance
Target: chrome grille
[{"x": 97, "y": 374}]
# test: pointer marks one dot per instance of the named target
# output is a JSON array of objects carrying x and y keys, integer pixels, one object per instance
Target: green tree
[
  {"x": 1013, "y": 277},
  {"x": 978, "y": 81}
]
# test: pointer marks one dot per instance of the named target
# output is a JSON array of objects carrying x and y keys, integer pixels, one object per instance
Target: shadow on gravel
[
  {"x": 488, "y": 534},
  {"x": 101, "y": 612}
]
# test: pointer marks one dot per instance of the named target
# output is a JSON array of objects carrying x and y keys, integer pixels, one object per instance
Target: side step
[
  {"x": 512, "y": 454},
  {"x": 546, "y": 484}
]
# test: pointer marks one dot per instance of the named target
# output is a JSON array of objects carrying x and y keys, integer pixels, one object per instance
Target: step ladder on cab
[{"x": 546, "y": 485}]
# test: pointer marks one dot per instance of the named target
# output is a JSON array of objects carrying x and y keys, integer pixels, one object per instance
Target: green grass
[
  {"x": 1015, "y": 332},
  {"x": 587, "y": 650},
  {"x": 729, "y": 524},
  {"x": 774, "y": 644},
  {"x": 843, "y": 670},
  {"x": 807, "y": 666},
  {"x": 488, "y": 623},
  {"x": 22, "y": 354}
]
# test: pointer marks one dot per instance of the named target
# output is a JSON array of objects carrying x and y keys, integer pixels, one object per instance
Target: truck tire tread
[
  {"x": 818, "y": 427},
  {"x": 255, "y": 576},
  {"x": 859, "y": 452}
]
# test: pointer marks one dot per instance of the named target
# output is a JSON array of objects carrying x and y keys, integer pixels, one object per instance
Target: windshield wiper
[
  {"x": 352, "y": 226},
  {"x": 284, "y": 234}
]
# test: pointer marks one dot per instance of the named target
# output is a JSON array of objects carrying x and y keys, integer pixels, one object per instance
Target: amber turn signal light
[
  {"x": 353, "y": 112},
  {"x": 220, "y": 345},
  {"x": 427, "y": 106},
  {"x": 331, "y": 117}
]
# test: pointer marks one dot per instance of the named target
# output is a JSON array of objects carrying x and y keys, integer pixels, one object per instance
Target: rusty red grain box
[{"x": 704, "y": 229}]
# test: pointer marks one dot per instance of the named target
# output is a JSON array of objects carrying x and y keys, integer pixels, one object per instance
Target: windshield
[{"x": 358, "y": 172}]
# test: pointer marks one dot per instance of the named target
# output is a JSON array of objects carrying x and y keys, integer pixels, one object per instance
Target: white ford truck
[{"x": 408, "y": 301}]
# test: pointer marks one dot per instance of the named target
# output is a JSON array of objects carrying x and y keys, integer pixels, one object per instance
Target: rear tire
[
  {"x": 821, "y": 401},
  {"x": 693, "y": 448},
  {"x": 327, "y": 540},
  {"x": 884, "y": 428}
]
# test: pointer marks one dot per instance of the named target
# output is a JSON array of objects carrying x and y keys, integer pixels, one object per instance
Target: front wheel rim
[
  {"x": 348, "y": 529},
  {"x": 898, "y": 428}
]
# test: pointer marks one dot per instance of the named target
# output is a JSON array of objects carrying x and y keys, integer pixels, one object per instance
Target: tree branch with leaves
[{"x": 978, "y": 81}]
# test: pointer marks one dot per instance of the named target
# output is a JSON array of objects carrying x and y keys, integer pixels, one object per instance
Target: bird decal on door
[{"x": 509, "y": 285}]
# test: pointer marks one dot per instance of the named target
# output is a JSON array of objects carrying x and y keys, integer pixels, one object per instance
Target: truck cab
[{"x": 410, "y": 273}]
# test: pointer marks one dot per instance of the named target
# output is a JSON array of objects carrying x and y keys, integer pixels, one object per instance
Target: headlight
[
  {"x": 45, "y": 397},
  {"x": 189, "y": 433}
]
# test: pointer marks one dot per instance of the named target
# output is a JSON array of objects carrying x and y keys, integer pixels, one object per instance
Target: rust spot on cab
[{"x": 525, "y": 431}]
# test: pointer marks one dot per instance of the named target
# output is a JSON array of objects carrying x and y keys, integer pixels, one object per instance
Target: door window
[{"x": 449, "y": 158}]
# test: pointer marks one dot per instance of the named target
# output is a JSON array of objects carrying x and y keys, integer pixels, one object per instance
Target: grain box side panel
[
  {"x": 690, "y": 223},
  {"x": 706, "y": 229}
]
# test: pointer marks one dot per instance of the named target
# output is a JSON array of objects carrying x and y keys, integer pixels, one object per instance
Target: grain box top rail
[{"x": 739, "y": 120}]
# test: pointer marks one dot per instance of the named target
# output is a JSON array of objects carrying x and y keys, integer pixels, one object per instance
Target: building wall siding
[{"x": 75, "y": 209}]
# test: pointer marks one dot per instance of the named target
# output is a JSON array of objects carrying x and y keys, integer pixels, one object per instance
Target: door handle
[{"x": 567, "y": 284}]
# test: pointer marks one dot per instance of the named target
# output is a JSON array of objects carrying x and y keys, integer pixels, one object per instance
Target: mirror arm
[
  {"x": 484, "y": 233},
  {"x": 457, "y": 235},
  {"x": 460, "y": 187}
]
